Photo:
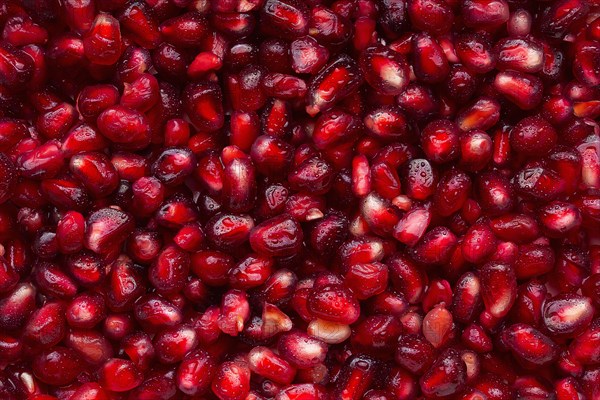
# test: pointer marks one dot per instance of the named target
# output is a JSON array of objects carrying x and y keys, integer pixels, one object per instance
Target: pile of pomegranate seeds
[{"x": 299, "y": 199}]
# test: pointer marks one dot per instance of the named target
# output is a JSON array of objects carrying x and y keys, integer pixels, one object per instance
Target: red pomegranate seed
[
  {"x": 202, "y": 102},
  {"x": 485, "y": 14},
  {"x": 235, "y": 311},
  {"x": 106, "y": 229},
  {"x": 59, "y": 366},
  {"x": 334, "y": 82},
  {"x": 264, "y": 362},
  {"x": 334, "y": 303},
  {"x": 90, "y": 345},
  {"x": 498, "y": 288},
  {"x": 386, "y": 71},
  {"x": 475, "y": 53},
  {"x": 120, "y": 375},
  {"x": 46, "y": 326},
  {"x": 476, "y": 150},
  {"x": 555, "y": 22},
  {"x": 17, "y": 306},
  {"x": 124, "y": 126},
  {"x": 446, "y": 376},
  {"x": 430, "y": 63},
  {"x": 533, "y": 260},
  {"x": 231, "y": 381},
  {"x": 478, "y": 243},
  {"x": 139, "y": 22},
  {"x": 559, "y": 218},
  {"x": 524, "y": 90},
  {"x": 102, "y": 42},
  {"x": 529, "y": 345},
  {"x": 524, "y": 55},
  {"x": 172, "y": 344},
  {"x": 355, "y": 376},
  {"x": 185, "y": 30}
]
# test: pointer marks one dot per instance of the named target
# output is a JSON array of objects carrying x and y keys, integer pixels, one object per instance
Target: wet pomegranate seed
[{"x": 299, "y": 199}]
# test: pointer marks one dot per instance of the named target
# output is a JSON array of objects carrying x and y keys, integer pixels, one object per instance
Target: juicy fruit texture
[{"x": 299, "y": 199}]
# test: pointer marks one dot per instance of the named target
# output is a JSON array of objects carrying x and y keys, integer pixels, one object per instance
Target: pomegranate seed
[
  {"x": 437, "y": 326},
  {"x": 124, "y": 126},
  {"x": 172, "y": 344},
  {"x": 120, "y": 375},
  {"x": 440, "y": 141},
  {"x": 102, "y": 42},
  {"x": 334, "y": 303},
  {"x": 106, "y": 229},
  {"x": 476, "y": 150},
  {"x": 17, "y": 306},
  {"x": 555, "y": 22},
  {"x": 430, "y": 63},
  {"x": 96, "y": 172},
  {"x": 235, "y": 311},
  {"x": 266, "y": 363},
  {"x": 529, "y": 345},
  {"x": 90, "y": 345},
  {"x": 483, "y": 113},
  {"x": 523, "y": 90},
  {"x": 524, "y": 55},
  {"x": 407, "y": 278},
  {"x": 519, "y": 23},
  {"x": 301, "y": 350},
  {"x": 334, "y": 82},
  {"x": 85, "y": 311},
  {"x": 307, "y": 55},
  {"x": 138, "y": 21},
  {"x": 231, "y": 381},
  {"x": 184, "y": 30},
  {"x": 58, "y": 366},
  {"x": 478, "y": 243},
  {"x": 498, "y": 288},
  {"x": 475, "y": 53},
  {"x": 46, "y": 326},
  {"x": 41, "y": 162},
  {"x": 568, "y": 314},
  {"x": 202, "y": 103},
  {"x": 485, "y": 14},
  {"x": 386, "y": 71},
  {"x": 435, "y": 17},
  {"x": 355, "y": 376},
  {"x": 533, "y": 260},
  {"x": 446, "y": 376}
]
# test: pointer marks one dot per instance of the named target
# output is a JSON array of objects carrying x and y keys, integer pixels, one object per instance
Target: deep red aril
[
  {"x": 86, "y": 311},
  {"x": 334, "y": 82},
  {"x": 498, "y": 288},
  {"x": 385, "y": 70},
  {"x": 440, "y": 141},
  {"x": 231, "y": 380},
  {"x": 119, "y": 375},
  {"x": 528, "y": 345},
  {"x": 475, "y": 53},
  {"x": 533, "y": 136},
  {"x": 91, "y": 345},
  {"x": 17, "y": 306},
  {"x": 430, "y": 63},
  {"x": 58, "y": 366},
  {"x": 446, "y": 376},
  {"x": 102, "y": 42}
]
